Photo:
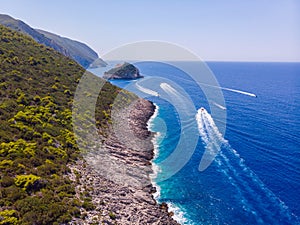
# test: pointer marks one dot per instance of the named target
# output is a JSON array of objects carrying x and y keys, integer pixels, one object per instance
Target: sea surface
[{"x": 255, "y": 175}]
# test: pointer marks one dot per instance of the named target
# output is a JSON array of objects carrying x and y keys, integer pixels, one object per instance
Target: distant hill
[{"x": 78, "y": 51}]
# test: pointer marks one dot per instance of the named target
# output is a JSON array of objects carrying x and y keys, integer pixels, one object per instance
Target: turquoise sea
[{"x": 255, "y": 176}]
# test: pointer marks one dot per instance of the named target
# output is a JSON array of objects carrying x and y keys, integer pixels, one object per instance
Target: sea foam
[{"x": 179, "y": 214}]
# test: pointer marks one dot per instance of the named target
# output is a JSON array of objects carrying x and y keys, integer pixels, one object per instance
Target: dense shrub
[{"x": 37, "y": 86}]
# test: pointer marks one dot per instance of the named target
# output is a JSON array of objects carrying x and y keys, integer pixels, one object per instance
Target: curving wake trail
[
  {"x": 146, "y": 90},
  {"x": 168, "y": 88},
  {"x": 251, "y": 192}
]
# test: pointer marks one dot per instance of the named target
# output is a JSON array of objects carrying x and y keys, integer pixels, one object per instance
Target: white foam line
[
  {"x": 146, "y": 90},
  {"x": 211, "y": 137},
  {"x": 168, "y": 88},
  {"x": 155, "y": 168},
  {"x": 283, "y": 209},
  {"x": 179, "y": 214},
  {"x": 241, "y": 186},
  {"x": 232, "y": 90},
  {"x": 219, "y": 106},
  {"x": 250, "y": 190},
  {"x": 244, "y": 180},
  {"x": 155, "y": 114},
  {"x": 183, "y": 104},
  {"x": 239, "y": 91},
  {"x": 246, "y": 206},
  {"x": 207, "y": 124}
]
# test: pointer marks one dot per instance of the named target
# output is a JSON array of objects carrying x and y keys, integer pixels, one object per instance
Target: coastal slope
[
  {"x": 38, "y": 149},
  {"x": 121, "y": 187}
]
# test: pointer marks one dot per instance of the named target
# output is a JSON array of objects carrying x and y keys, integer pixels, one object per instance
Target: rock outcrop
[
  {"x": 124, "y": 71},
  {"x": 118, "y": 201}
]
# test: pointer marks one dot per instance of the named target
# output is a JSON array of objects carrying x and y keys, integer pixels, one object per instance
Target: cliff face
[
  {"x": 125, "y": 71},
  {"x": 78, "y": 51}
]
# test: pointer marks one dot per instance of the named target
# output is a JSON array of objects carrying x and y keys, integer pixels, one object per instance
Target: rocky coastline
[{"x": 122, "y": 196}]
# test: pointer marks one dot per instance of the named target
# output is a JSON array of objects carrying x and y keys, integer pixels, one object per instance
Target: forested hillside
[{"x": 37, "y": 86}]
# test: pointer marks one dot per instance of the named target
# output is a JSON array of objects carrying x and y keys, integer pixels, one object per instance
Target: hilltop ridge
[{"x": 76, "y": 50}]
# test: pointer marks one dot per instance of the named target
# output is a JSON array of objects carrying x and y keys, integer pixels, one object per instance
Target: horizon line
[{"x": 229, "y": 61}]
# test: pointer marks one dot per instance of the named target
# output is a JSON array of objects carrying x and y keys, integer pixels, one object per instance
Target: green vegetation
[
  {"x": 9, "y": 217},
  {"x": 37, "y": 85},
  {"x": 112, "y": 215},
  {"x": 26, "y": 181}
]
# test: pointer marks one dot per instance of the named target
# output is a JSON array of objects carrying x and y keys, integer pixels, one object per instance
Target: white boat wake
[
  {"x": 219, "y": 106},
  {"x": 232, "y": 90},
  {"x": 255, "y": 197},
  {"x": 168, "y": 88},
  {"x": 146, "y": 90},
  {"x": 239, "y": 91}
]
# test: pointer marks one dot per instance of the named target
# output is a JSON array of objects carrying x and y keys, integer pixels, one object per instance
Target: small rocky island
[{"x": 124, "y": 71}]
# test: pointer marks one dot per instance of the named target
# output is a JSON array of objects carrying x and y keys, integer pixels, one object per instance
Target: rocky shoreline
[{"x": 119, "y": 186}]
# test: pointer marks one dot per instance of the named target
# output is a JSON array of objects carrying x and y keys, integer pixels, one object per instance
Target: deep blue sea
[{"x": 255, "y": 176}]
